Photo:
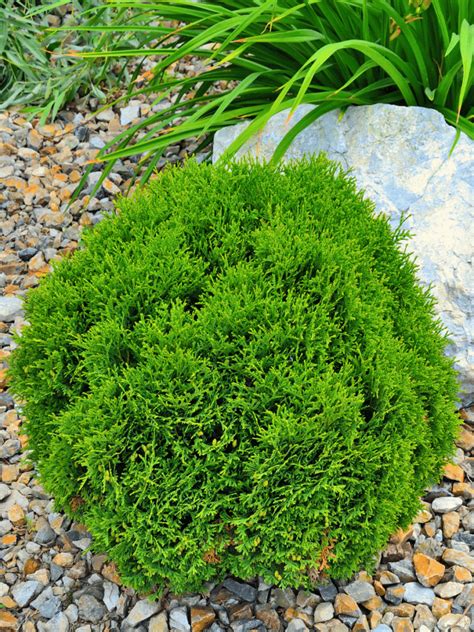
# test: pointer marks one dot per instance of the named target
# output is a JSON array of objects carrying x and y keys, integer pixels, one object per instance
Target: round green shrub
[{"x": 237, "y": 374}]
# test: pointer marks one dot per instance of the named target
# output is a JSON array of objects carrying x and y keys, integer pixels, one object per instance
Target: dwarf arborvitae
[{"x": 237, "y": 373}]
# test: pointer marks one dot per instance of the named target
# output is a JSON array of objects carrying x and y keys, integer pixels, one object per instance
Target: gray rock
[
  {"x": 15, "y": 498},
  {"x": 96, "y": 142},
  {"x": 328, "y": 591},
  {"x": 430, "y": 547},
  {"x": 10, "y": 308},
  {"x": 454, "y": 623},
  {"x": 323, "y": 612},
  {"x": 45, "y": 535},
  {"x": 382, "y": 628},
  {"x": 403, "y": 569},
  {"x": 466, "y": 598},
  {"x": 105, "y": 115},
  {"x": 56, "y": 571},
  {"x": 129, "y": 114},
  {"x": 400, "y": 157},
  {"x": 243, "y": 591},
  {"x": 416, "y": 593},
  {"x": 392, "y": 595},
  {"x": 49, "y": 608},
  {"x": 178, "y": 620},
  {"x": 72, "y": 613},
  {"x": 444, "y": 505},
  {"x": 90, "y": 608},
  {"x": 24, "y": 592},
  {"x": 142, "y": 611},
  {"x": 111, "y": 595},
  {"x": 297, "y": 625},
  {"x": 424, "y": 617},
  {"x": 82, "y": 133},
  {"x": 360, "y": 591},
  {"x": 246, "y": 626},
  {"x": 25, "y": 254},
  {"x": 5, "y": 527},
  {"x": 4, "y": 491},
  {"x": 448, "y": 590},
  {"x": 42, "y": 598},
  {"x": 60, "y": 623},
  {"x": 283, "y": 598},
  {"x": 10, "y": 448}
]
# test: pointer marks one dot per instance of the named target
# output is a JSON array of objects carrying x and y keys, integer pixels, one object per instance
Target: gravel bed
[{"x": 49, "y": 581}]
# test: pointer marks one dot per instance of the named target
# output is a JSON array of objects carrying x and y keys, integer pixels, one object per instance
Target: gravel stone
[
  {"x": 10, "y": 308},
  {"x": 24, "y": 592},
  {"x": 323, "y": 612},
  {"x": 111, "y": 595},
  {"x": 129, "y": 114},
  {"x": 296, "y": 625},
  {"x": 4, "y": 491},
  {"x": 448, "y": 590},
  {"x": 45, "y": 535},
  {"x": 416, "y": 593},
  {"x": 90, "y": 609},
  {"x": 443, "y": 505},
  {"x": 360, "y": 591},
  {"x": 243, "y": 591},
  {"x": 404, "y": 570},
  {"x": 49, "y": 608},
  {"x": 328, "y": 591},
  {"x": 142, "y": 611},
  {"x": 178, "y": 620}
]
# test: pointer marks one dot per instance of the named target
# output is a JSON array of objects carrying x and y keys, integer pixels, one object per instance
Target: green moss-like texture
[{"x": 238, "y": 374}]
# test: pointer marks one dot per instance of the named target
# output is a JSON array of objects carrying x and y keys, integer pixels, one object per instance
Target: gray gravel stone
[
  {"x": 60, "y": 623},
  {"x": 178, "y": 620},
  {"x": 49, "y": 608},
  {"x": 444, "y": 505},
  {"x": 416, "y": 593},
  {"x": 90, "y": 608},
  {"x": 9, "y": 448},
  {"x": 143, "y": 610},
  {"x": 4, "y": 491},
  {"x": 328, "y": 591},
  {"x": 448, "y": 590},
  {"x": 10, "y": 308},
  {"x": 403, "y": 569},
  {"x": 5, "y": 527},
  {"x": 97, "y": 142},
  {"x": 296, "y": 625},
  {"x": 111, "y": 595},
  {"x": 243, "y": 591},
  {"x": 360, "y": 591},
  {"x": 45, "y": 535},
  {"x": 129, "y": 114},
  {"x": 323, "y": 612},
  {"x": 24, "y": 592}
]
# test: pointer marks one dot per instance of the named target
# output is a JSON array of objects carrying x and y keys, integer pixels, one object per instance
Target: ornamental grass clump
[{"x": 237, "y": 374}]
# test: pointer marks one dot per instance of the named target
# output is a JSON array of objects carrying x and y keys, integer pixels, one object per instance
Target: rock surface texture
[{"x": 401, "y": 157}]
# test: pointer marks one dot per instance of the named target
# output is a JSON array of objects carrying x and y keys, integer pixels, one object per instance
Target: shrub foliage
[{"x": 238, "y": 373}]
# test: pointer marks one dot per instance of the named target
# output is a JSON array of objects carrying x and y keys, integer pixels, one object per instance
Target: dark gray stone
[{"x": 243, "y": 591}]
